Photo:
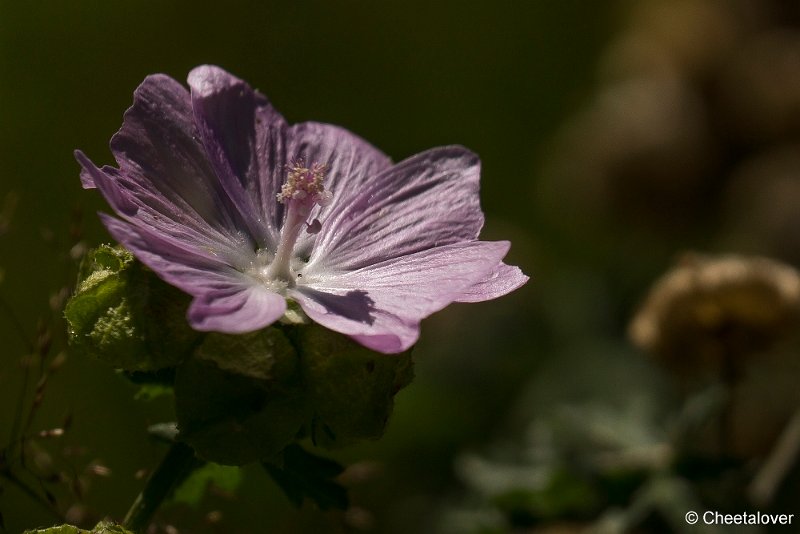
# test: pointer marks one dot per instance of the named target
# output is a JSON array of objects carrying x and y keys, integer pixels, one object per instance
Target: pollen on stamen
[{"x": 305, "y": 183}]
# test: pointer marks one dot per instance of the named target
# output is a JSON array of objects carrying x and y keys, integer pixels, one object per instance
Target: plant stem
[
  {"x": 12, "y": 478},
  {"x": 175, "y": 466}
]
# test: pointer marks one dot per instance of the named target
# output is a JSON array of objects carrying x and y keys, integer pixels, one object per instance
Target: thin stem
[
  {"x": 10, "y": 477},
  {"x": 20, "y": 330},
  {"x": 175, "y": 466}
]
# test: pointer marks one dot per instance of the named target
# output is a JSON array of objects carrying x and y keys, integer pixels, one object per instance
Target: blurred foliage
[
  {"x": 684, "y": 146},
  {"x": 304, "y": 476},
  {"x": 192, "y": 490}
]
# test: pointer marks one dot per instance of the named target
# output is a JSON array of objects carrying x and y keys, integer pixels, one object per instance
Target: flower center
[{"x": 302, "y": 190}]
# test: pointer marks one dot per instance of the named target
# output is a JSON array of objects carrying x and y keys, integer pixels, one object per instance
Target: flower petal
[
  {"x": 145, "y": 209},
  {"x": 381, "y": 305},
  {"x": 87, "y": 182},
  {"x": 354, "y": 313},
  {"x": 236, "y": 310},
  {"x": 503, "y": 280},
  {"x": 244, "y": 137},
  {"x": 225, "y": 299},
  {"x": 426, "y": 201},
  {"x": 160, "y": 155},
  {"x": 350, "y": 162},
  {"x": 194, "y": 271}
]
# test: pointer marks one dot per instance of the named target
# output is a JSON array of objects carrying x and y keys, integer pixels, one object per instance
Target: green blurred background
[{"x": 614, "y": 136}]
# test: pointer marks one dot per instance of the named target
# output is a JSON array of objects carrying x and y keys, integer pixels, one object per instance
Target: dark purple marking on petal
[
  {"x": 245, "y": 140},
  {"x": 350, "y": 162},
  {"x": 426, "y": 201},
  {"x": 352, "y": 314},
  {"x": 159, "y": 152},
  {"x": 402, "y": 291},
  {"x": 356, "y": 305},
  {"x": 147, "y": 210}
]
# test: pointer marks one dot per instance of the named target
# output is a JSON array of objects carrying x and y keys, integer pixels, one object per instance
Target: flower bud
[{"x": 124, "y": 315}]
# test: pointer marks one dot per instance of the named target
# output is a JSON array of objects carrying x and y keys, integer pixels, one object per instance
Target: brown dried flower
[{"x": 707, "y": 313}]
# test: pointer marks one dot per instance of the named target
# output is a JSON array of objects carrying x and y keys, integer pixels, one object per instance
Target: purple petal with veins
[{"x": 220, "y": 197}]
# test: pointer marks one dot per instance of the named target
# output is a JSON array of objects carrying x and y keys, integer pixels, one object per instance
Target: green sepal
[
  {"x": 351, "y": 388},
  {"x": 104, "y": 527},
  {"x": 240, "y": 399},
  {"x": 60, "y": 529},
  {"x": 302, "y": 475},
  {"x": 123, "y": 314}
]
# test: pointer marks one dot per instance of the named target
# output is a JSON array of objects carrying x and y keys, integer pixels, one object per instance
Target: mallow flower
[{"x": 223, "y": 199}]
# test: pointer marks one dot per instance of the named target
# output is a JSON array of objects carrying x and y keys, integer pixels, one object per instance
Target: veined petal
[
  {"x": 350, "y": 163},
  {"x": 426, "y": 201},
  {"x": 225, "y": 300},
  {"x": 502, "y": 280},
  {"x": 87, "y": 182},
  {"x": 195, "y": 271},
  {"x": 144, "y": 208},
  {"x": 354, "y": 313},
  {"x": 245, "y": 140},
  {"x": 387, "y": 245},
  {"x": 236, "y": 309},
  {"x": 159, "y": 152},
  {"x": 164, "y": 180},
  {"x": 381, "y": 305}
]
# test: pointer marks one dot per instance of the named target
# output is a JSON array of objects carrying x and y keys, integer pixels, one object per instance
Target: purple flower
[{"x": 219, "y": 196}]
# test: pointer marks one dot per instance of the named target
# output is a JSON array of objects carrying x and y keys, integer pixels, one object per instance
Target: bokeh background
[{"x": 619, "y": 141}]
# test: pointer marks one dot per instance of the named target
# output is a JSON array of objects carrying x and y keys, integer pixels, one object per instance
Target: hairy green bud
[{"x": 124, "y": 315}]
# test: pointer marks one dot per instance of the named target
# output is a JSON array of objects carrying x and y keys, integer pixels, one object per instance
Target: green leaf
[
  {"x": 239, "y": 399},
  {"x": 152, "y": 384},
  {"x": 351, "y": 388},
  {"x": 565, "y": 495},
  {"x": 124, "y": 315},
  {"x": 149, "y": 392},
  {"x": 303, "y": 475},
  {"x": 104, "y": 527},
  {"x": 61, "y": 529},
  {"x": 107, "y": 527},
  {"x": 192, "y": 490}
]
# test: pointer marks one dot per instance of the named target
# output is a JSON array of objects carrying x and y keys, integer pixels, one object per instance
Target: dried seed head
[{"x": 707, "y": 313}]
